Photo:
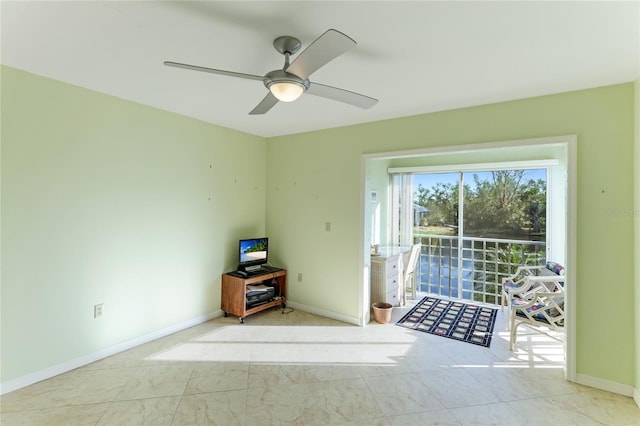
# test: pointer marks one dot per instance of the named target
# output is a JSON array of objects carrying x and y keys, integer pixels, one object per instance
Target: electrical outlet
[
  {"x": 97, "y": 310},
  {"x": 299, "y": 277}
]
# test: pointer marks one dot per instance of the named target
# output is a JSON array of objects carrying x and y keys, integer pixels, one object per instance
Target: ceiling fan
[{"x": 290, "y": 82}]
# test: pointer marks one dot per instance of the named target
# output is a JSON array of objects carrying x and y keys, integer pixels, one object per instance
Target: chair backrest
[
  {"x": 555, "y": 267},
  {"x": 413, "y": 260}
]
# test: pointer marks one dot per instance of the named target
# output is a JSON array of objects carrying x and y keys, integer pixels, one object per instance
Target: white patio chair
[
  {"x": 408, "y": 275},
  {"x": 541, "y": 308},
  {"x": 526, "y": 278}
]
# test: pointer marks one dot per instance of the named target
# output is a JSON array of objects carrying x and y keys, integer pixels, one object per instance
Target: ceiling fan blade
[
  {"x": 325, "y": 48},
  {"x": 213, "y": 71},
  {"x": 341, "y": 95},
  {"x": 265, "y": 104}
]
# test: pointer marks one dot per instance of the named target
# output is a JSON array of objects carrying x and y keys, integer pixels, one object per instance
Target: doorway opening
[{"x": 556, "y": 156}]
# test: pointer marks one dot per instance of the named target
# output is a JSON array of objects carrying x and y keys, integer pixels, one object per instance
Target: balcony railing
[{"x": 474, "y": 271}]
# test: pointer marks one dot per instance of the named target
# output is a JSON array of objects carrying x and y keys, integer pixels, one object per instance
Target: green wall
[
  {"x": 636, "y": 259},
  {"x": 108, "y": 201},
  {"x": 377, "y": 180},
  {"x": 315, "y": 178}
]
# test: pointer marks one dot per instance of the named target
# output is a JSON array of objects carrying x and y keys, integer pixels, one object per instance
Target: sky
[{"x": 429, "y": 180}]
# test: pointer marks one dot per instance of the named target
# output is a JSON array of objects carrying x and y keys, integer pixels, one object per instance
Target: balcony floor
[{"x": 533, "y": 349}]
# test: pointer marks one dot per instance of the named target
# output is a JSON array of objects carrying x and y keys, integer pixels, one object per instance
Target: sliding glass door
[{"x": 476, "y": 227}]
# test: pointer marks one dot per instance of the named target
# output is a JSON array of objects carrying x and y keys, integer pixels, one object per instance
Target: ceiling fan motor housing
[{"x": 281, "y": 76}]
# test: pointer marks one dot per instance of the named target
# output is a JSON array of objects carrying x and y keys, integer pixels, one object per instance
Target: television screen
[{"x": 253, "y": 252}]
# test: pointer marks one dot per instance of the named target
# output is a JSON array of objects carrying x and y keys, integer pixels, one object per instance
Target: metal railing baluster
[{"x": 488, "y": 262}]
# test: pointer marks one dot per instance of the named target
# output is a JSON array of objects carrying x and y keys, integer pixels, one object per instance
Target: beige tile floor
[{"x": 301, "y": 369}]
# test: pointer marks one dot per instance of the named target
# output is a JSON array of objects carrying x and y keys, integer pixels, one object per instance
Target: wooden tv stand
[{"x": 234, "y": 299}]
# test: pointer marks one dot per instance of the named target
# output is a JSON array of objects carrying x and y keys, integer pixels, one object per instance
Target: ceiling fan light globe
[{"x": 286, "y": 91}]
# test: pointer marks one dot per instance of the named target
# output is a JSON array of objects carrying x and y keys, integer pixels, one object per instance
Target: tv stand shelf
[{"x": 234, "y": 299}]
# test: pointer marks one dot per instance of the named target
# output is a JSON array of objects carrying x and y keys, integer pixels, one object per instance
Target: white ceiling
[{"x": 415, "y": 57}]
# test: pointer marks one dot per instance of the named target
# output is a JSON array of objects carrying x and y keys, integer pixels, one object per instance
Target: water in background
[{"x": 480, "y": 278}]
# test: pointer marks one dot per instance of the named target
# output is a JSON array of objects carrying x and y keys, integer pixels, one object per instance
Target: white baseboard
[
  {"x": 323, "y": 313},
  {"x": 636, "y": 397},
  {"x": 607, "y": 385},
  {"x": 72, "y": 364}
]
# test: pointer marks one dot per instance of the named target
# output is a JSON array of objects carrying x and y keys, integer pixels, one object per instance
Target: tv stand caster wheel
[
  {"x": 241, "y": 320},
  {"x": 225, "y": 314}
]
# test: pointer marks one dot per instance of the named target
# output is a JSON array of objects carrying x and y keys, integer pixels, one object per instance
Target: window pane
[
  {"x": 505, "y": 204},
  {"x": 435, "y": 204},
  {"x": 502, "y": 218},
  {"x": 435, "y": 220}
]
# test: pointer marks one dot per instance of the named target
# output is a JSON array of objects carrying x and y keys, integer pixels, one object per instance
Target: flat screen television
[{"x": 254, "y": 252}]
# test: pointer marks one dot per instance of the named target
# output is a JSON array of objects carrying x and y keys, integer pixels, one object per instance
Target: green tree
[
  {"x": 505, "y": 203},
  {"x": 501, "y": 203},
  {"x": 442, "y": 204},
  {"x": 421, "y": 197},
  {"x": 534, "y": 198}
]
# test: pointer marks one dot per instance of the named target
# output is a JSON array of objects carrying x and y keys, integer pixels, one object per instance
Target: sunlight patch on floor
[{"x": 295, "y": 344}]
